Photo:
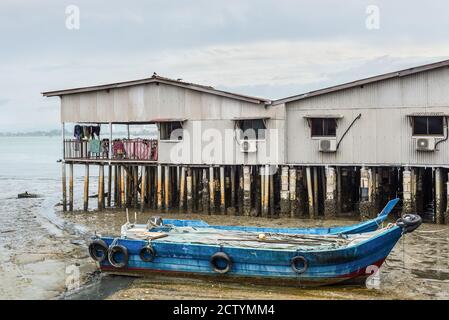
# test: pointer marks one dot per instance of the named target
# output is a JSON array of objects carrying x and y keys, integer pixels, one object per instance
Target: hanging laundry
[
  {"x": 94, "y": 146},
  {"x": 105, "y": 147},
  {"x": 77, "y": 132},
  {"x": 118, "y": 149},
  {"x": 95, "y": 130},
  {"x": 86, "y": 132}
]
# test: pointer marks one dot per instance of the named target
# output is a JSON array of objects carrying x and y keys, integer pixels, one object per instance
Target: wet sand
[{"x": 417, "y": 268}]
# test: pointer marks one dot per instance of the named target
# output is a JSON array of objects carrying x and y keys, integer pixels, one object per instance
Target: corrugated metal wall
[
  {"x": 383, "y": 135},
  {"x": 206, "y": 114}
]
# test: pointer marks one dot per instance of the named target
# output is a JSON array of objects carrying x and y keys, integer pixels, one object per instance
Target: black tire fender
[
  {"x": 297, "y": 259},
  {"x": 113, "y": 250},
  {"x": 409, "y": 222},
  {"x": 147, "y": 254},
  {"x": 98, "y": 246},
  {"x": 220, "y": 256}
]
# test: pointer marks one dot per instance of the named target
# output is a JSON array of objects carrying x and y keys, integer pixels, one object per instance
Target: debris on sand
[{"x": 27, "y": 195}]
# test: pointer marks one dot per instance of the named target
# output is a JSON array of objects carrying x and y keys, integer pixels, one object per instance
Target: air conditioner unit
[
  {"x": 248, "y": 146},
  {"x": 328, "y": 145},
  {"x": 425, "y": 144}
]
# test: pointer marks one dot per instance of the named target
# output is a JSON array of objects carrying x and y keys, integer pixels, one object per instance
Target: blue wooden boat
[
  {"x": 302, "y": 260},
  {"x": 366, "y": 226}
]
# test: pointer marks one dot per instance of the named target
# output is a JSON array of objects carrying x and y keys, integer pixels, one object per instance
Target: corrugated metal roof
[
  {"x": 158, "y": 79},
  {"x": 361, "y": 82}
]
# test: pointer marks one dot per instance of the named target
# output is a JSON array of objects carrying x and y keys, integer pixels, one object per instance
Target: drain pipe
[
  {"x": 350, "y": 126},
  {"x": 447, "y": 135}
]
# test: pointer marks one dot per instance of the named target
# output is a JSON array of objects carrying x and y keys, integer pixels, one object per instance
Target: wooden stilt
[
  {"x": 266, "y": 193},
  {"x": 194, "y": 189},
  {"x": 211, "y": 190},
  {"x": 86, "y": 187},
  {"x": 232, "y": 201},
  {"x": 122, "y": 186},
  {"x": 240, "y": 192},
  {"x": 109, "y": 186},
  {"x": 167, "y": 187},
  {"x": 182, "y": 183},
  {"x": 129, "y": 186},
  {"x": 71, "y": 186},
  {"x": 64, "y": 188},
  {"x": 119, "y": 186},
  {"x": 143, "y": 187},
  {"x": 159, "y": 187},
  {"x": 100, "y": 187},
  {"x": 115, "y": 185},
  {"x": 260, "y": 190},
  {"x": 315, "y": 191},
  {"x": 222, "y": 191},
  {"x": 136, "y": 186},
  {"x": 205, "y": 193}
]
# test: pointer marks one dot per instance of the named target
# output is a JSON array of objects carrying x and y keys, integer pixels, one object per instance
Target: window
[
  {"x": 171, "y": 130},
  {"x": 324, "y": 127},
  {"x": 428, "y": 125},
  {"x": 252, "y": 129}
]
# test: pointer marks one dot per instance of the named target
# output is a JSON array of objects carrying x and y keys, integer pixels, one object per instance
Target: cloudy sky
[{"x": 265, "y": 48}]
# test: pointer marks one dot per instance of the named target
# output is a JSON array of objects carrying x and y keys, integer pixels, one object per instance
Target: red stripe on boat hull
[{"x": 358, "y": 276}]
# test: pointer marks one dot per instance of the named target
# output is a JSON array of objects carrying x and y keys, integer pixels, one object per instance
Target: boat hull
[{"x": 260, "y": 265}]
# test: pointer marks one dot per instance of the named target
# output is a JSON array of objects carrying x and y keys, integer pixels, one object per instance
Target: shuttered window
[
  {"x": 252, "y": 129},
  {"x": 428, "y": 126},
  {"x": 171, "y": 130},
  {"x": 324, "y": 127}
]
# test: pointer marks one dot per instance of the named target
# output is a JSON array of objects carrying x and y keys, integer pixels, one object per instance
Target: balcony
[{"x": 121, "y": 149}]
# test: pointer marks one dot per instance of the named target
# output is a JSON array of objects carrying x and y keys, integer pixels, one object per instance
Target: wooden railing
[{"x": 122, "y": 149}]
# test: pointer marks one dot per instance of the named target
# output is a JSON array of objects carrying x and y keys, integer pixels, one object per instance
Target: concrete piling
[
  {"x": 407, "y": 206},
  {"x": 285, "y": 205},
  {"x": 246, "y": 191},
  {"x": 365, "y": 205},
  {"x": 211, "y": 190},
  {"x": 439, "y": 213},
  {"x": 330, "y": 203},
  {"x": 205, "y": 193},
  {"x": 189, "y": 183},
  {"x": 311, "y": 206},
  {"x": 292, "y": 192}
]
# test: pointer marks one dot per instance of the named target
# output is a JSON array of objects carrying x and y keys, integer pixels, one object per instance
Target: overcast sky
[{"x": 264, "y": 48}]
